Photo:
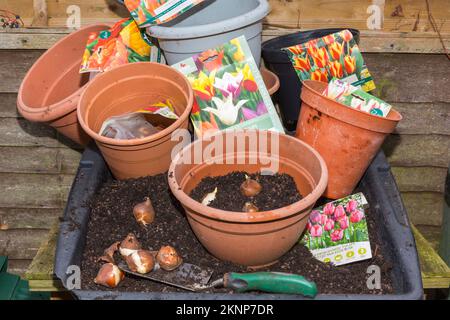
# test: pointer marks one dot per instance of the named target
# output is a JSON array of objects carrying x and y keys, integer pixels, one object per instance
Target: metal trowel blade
[{"x": 187, "y": 276}]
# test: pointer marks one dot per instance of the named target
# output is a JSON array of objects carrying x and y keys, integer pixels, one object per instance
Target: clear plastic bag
[{"x": 127, "y": 127}]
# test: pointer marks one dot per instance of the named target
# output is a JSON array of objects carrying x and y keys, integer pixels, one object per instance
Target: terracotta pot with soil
[
  {"x": 249, "y": 238},
  {"x": 348, "y": 139},
  {"x": 52, "y": 87},
  {"x": 126, "y": 89},
  {"x": 271, "y": 81}
]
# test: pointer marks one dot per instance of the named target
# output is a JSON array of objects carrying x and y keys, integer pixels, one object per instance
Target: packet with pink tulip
[
  {"x": 229, "y": 90},
  {"x": 337, "y": 232}
]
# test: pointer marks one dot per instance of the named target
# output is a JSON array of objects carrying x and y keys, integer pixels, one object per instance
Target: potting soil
[{"x": 111, "y": 219}]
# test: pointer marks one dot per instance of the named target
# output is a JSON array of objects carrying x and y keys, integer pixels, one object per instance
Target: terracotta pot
[
  {"x": 52, "y": 87},
  {"x": 348, "y": 139},
  {"x": 123, "y": 90},
  {"x": 271, "y": 81},
  {"x": 250, "y": 239}
]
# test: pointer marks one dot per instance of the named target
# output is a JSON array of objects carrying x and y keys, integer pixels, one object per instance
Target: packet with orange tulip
[
  {"x": 153, "y": 12},
  {"x": 333, "y": 56},
  {"x": 122, "y": 43}
]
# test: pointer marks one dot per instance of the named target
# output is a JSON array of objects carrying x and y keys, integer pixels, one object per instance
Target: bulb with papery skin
[
  {"x": 144, "y": 213},
  {"x": 129, "y": 245},
  {"x": 141, "y": 261},
  {"x": 250, "y": 187},
  {"x": 168, "y": 258},
  {"x": 109, "y": 275},
  {"x": 250, "y": 207}
]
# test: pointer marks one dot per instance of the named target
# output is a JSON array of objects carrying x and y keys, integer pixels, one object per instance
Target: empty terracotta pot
[
  {"x": 250, "y": 239},
  {"x": 52, "y": 87},
  {"x": 271, "y": 81},
  {"x": 126, "y": 89},
  {"x": 348, "y": 139}
]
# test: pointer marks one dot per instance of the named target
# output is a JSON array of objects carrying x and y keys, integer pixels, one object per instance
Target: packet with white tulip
[
  {"x": 337, "y": 232},
  {"x": 355, "y": 98},
  {"x": 229, "y": 90}
]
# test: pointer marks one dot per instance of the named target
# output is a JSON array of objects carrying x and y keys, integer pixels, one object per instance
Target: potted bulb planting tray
[{"x": 378, "y": 186}]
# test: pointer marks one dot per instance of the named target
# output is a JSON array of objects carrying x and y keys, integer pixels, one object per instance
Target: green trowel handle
[{"x": 274, "y": 282}]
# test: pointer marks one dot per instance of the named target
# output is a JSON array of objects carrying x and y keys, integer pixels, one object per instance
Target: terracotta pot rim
[
  {"x": 134, "y": 142},
  {"x": 272, "y": 75},
  {"x": 394, "y": 115},
  {"x": 35, "y": 114},
  {"x": 296, "y": 208}
]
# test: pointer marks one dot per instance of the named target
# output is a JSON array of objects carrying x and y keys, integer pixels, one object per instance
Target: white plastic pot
[{"x": 210, "y": 24}]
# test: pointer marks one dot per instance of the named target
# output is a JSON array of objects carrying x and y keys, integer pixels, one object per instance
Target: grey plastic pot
[{"x": 210, "y": 24}]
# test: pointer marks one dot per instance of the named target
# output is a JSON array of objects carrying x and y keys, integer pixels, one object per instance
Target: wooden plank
[
  {"x": 29, "y": 218},
  {"x": 21, "y": 243},
  {"x": 42, "y": 266},
  {"x": 435, "y": 272},
  {"x": 18, "y": 266},
  {"x": 39, "y": 160},
  {"x": 420, "y": 178},
  {"x": 14, "y": 64},
  {"x": 410, "y": 77},
  {"x": 8, "y": 106},
  {"x": 34, "y": 190},
  {"x": 432, "y": 234},
  {"x": 23, "y": 133},
  {"x": 418, "y": 150},
  {"x": 424, "y": 207},
  {"x": 40, "y": 18},
  {"x": 424, "y": 118}
]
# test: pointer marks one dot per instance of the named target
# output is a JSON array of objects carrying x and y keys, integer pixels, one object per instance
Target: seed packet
[
  {"x": 122, "y": 43},
  {"x": 355, "y": 98},
  {"x": 333, "y": 56},
  {"x": 229, "y": 90},
  {"x": 154, "y": 12},
  {"x": 140, "y": 124},
  {"x": 337, "y": 232}
]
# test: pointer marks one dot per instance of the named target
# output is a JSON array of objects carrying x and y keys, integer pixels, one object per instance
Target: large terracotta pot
[
  {"x": 123, "y": 90},
  {"x": 250, "y": 239},
  {"x": 348, "y": 139},
  {"x": 52, "y": 87}
]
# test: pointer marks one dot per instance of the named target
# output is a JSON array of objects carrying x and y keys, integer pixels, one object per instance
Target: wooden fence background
[{"x": 37, "y": 165}]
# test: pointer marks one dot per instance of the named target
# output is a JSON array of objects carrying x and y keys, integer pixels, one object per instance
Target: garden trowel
[{"x": 193, "y": 278}]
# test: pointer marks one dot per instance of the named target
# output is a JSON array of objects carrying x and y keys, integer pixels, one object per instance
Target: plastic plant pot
[
  {"x": 288, "y": 97},
  {"x": 378, "y": 185},
  {"x": 126, "y": 89},
  {"x": 271, "y": 81},
  {"x": 52, "y": 87},
  {"x": 211, "y": 24},
  {"x": 256, "y": 239},
  {"x": 348, "y": 139}
]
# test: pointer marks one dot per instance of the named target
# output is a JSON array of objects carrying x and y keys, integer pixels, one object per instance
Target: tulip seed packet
[
  {"x": 355, "y": 98},
  {"x": 337, "y": 232},
  {"x": 333, "y": 56},
  {"x": 153, "y": 12},
  {"x": 229, "y": 90},
  {"x": 123, "y": 43}
]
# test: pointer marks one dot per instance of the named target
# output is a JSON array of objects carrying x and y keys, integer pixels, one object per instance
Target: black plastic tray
[{"x": 378, "y": 186}]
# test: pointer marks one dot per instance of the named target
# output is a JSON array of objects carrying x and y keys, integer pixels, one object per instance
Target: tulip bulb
[
  {"x": 210, "y": 197},
  {"x": 129, "y": 245},
  {"x": 109, "y": 275},
  {"x": 141, "y": 261},
  {"x": 144, "y": 212},
  {"x": 250, "y": 187},
  {"x": 250, "y": 207},
  {"x": 168, "y": 258},
  {"x": 108, "y": 254}
]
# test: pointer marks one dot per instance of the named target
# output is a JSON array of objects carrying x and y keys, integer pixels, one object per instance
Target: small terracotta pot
[
  {"x": 52, "y": 87},
  {"x": 125, "y": 89},
  {"x": 271, "y": 81},
  {"x": 348, "y": 139},
  {"x": 250, "y": 239}
]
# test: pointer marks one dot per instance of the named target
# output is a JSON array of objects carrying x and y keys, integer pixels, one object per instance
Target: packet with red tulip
[
  {"x": 337, "y": 232},
  {"x": 334, "y": 56},
  {"x": 229, "y": 90}
]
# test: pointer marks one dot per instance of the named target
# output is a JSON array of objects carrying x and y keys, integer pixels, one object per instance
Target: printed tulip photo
[
  {"x": 333, "y": 56},
  {"x": 339, "y": 222},
  {"x": 228, "y": 90}
]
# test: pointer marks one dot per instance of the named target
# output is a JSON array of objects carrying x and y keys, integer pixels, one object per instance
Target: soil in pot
[
  {"x": 112, "y": 219},
  {"x": 277, "y": 191}
]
